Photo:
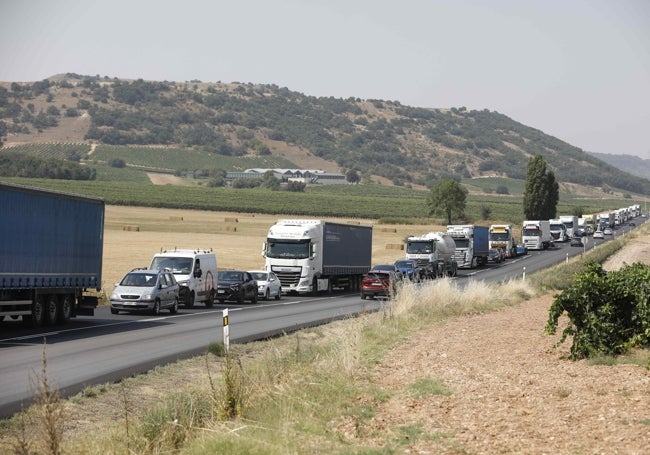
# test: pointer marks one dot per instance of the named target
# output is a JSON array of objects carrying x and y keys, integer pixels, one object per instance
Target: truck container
[
  {"x": 51, "y": 254},
  {"x": 605, "y": 219},
  {"x": 570, "y": 223},
  {"x": 472, "y": 244},
  {"x": 536, "y": 234},
  {"x": 558, "y": 230},
  {"x": 434, "y": 252},
  {"x": 316, "y": 255},
  {"x": 502, "y": 236}
]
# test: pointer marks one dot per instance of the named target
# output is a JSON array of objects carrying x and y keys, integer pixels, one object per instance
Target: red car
[{"x": 378, "y": 283}]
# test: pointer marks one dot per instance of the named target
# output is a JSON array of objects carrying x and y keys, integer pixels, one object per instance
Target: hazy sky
[{"x": 576, "y": 69}]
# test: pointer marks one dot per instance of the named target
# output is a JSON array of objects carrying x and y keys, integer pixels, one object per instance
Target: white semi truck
[
  {"x": 571, "y": 224},
  {"x": 501, "y": 236},
  {"x": 472, "y": 244},
  {"x": 316, "y": 255},
  {"x": 536, "y": 234},
  {"x": 558, "y": 230},
  {"x": 434, "y": 252}
]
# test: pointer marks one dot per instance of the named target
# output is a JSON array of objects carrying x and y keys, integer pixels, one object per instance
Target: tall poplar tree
[{"x": 542, "y": 192}]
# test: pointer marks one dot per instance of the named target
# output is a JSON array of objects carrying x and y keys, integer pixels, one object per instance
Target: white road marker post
[
  {"x": 567, "y": 258},
  {"x": 523, "y": 277},
  {"x": 226, "y": 330}
]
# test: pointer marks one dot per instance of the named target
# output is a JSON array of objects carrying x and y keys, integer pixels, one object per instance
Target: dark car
[
  {"x": 410, "y": 269},
  {"x": 237, "y": 285},
  {"x": 378, "y": 283},
  {"x": 389, "y": 267},
  {"x": 576, "y": 240},
  {"x": 496, "y": 255},
  {"x": 144, "y": 290}
]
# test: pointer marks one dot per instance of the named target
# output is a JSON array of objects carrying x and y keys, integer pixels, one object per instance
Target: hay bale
[
  {"x": 231, "y": 220},
  {"x": 231, "y": 228},
  {"x": 388, "y": 229},
  {"x": 130, "y": 228},
  {"x": 175, "y": 218},
  {"x": 394, "y": 246}
]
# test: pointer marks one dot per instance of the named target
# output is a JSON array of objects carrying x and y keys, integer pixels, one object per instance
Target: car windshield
[
  {"x": 404, "y": 264},
  {"x": 230, "y": 276},
  {"x": 179, "y": 266},
  {"x": 288, "y": 249},
  {"x": 419, "y": 246},
  {"x": 500, "y": 236},
  {"x": 139, "y": 280},
  {"x": 378, "y": 276},
  {"x": 260, "y": 276}
]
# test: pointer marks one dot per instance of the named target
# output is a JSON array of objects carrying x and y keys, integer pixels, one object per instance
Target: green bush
[{"x": 609, "y": 312}]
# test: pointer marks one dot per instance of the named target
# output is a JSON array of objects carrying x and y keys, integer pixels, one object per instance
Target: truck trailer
[
  {"x": 536, "y": 234},
  {"x": 434, "y": 252},
  {"x": 570, "y": 223},
  {"x": 472, "y": 244},
  {"x": 309, "y": 256},
  {"x": 51, "y": 254}
]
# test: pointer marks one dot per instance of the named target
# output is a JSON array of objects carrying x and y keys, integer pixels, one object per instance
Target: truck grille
[{"x": 288, "y": 278}]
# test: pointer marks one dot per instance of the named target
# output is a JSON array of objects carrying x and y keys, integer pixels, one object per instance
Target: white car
[
  {"x": 607, "y": 231},
  {"x": 599, "y": 234},
  {"x": 268, "y": 284}
]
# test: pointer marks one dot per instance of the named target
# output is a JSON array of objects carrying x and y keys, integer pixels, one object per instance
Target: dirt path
[{"x": 511, "y": 391}]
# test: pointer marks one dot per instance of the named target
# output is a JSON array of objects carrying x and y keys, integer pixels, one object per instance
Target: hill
[
  {"x": 627, "y": 163},
  {"x": 381, "y": 140}
]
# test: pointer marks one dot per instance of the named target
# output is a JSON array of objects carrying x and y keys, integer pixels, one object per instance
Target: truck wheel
[
  {"x": 474, "y": 263},
  {"x": 35, "y": 320},
  {"x": 51, "y": 309},
  {"x": 65, "y": 309},
  {"x": 314, "y": 287}
]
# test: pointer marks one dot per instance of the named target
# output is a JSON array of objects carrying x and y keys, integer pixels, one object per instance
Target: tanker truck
[
  {"x": 309, "y": 256},
  {"x": 472, "y": 244},
  {"x": 51, "y": 247},
  {"x": 434, "y": 252}
]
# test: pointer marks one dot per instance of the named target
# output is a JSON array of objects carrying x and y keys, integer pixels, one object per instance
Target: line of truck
[{"x": 52, "y": 248}]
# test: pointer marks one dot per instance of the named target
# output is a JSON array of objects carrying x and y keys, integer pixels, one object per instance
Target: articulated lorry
[
  {"x": 558, "y": 230},
  {"x": 434, "y": 252},
  {"x": 536, "y": 234},
  {"x": 472, "y": 244},
  {"x": 316, "y": 255},
  {"x": 501, "y": 236},
  {"x": 50, "y": 255},
  {"x": 570, "y": 223}
]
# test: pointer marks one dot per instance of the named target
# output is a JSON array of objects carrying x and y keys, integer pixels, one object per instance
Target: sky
[{"x": 578, "y": 70}]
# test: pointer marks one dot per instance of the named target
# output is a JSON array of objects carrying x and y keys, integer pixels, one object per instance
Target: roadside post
[
  {"x": 226, "y": 330},
  {"x": 523, "y": 277}
]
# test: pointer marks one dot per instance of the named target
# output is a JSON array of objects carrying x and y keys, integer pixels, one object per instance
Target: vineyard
[{"x": 59, "y": 151}]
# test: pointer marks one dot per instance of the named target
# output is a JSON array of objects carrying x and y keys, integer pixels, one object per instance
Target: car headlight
[
  {"x": 147, "y": 297},
  {"x": 115, "y": 296}
]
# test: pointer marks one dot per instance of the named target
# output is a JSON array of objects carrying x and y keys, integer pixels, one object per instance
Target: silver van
[{"x": 195, "y": 271}]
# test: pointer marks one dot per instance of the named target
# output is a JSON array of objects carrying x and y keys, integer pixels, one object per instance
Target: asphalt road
[{"x": 106, "y": 348}]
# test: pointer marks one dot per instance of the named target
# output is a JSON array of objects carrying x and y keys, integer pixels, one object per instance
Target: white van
[{"x": 195, "y": 271}]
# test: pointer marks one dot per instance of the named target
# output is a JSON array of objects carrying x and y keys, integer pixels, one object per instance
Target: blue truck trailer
[{"x": 51, "y": 247}]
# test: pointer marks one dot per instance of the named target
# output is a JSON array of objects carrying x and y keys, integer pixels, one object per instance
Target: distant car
[
  {"x": 236, "y": 285},
  {"x": 632, "y": 223},
  {"x": 576, "y": 240},
  {"x": 496, "y": 255},
  {"x": 521, "y": 250},
  {"x": 391, "y": 267},
  {"x": 378, "y": 283},
  {"x": 410, "y": 269},
  {"x": 608, "y": 231},
  {"x": 599, "y": 234},
  {"x": 143, "y": 290},
  {"x": 268, "y": 284}
]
